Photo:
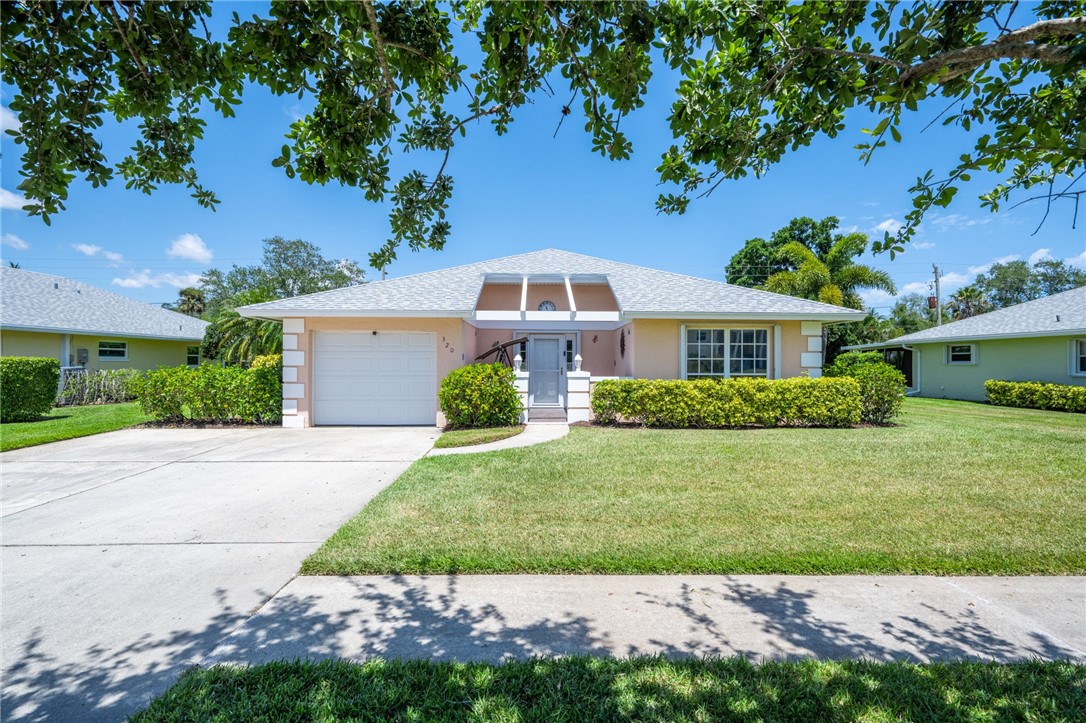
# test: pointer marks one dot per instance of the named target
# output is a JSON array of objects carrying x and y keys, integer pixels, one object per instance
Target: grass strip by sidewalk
[
  {"x": 957, "y": 488},
  {"x": 70, "y": 422},
  {"x": 470, "y": 437},
  {"x": 644, "y": 689}
]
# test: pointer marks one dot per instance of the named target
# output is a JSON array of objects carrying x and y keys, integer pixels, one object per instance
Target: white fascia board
[
  {"x": 841, "y": 317},
  {"x": 96, "y": 332},
  {"x": 903, "y": 341},
  {"x": 280, "y": 314},
  {"x": 549, "y": 326}
]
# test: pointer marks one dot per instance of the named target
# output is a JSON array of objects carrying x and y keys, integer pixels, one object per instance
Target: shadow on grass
[{"x": 38, "y": 420}]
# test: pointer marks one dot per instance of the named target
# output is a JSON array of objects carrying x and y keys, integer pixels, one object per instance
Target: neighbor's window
[
  {"x": 112, "y": 350},
  {"x": 727, "y": 353},
  {"x": 1080, "y": 356},
  {"x": 192, "y": 356},
  {"x": 960, "y": 354}
]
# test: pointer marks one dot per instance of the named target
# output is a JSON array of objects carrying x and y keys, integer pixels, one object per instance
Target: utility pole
[{"x": 938, "y": 298}]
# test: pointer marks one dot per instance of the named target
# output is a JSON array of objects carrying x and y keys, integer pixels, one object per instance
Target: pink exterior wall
[
  {"x": 506, "y": 297},
  {"x": 656, "y": 345},
  {"x": 598, "y": 348},
  {"x": 624, "y": 363}
]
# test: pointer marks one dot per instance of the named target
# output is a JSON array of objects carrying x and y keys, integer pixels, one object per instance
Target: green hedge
[
  {"x": 211, "y": 393},
  {"x": 480, "y": 395},
  {"x": 882, "y": 386},
  {"x": 1037, "y": 395},
  {"x": 106, "y": 386},
  {"x": 723, "y": 403},
  {"x": 28, "y": 387}
]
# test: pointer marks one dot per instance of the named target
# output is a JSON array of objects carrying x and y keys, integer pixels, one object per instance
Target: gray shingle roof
[
  {"x": 1033, "y": 318},
  {"x": 40, "y": 302},
  {"x": 638, "y": 290}
]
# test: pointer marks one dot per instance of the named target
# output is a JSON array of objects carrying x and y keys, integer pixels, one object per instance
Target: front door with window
[{"x": 546, "y": 371}]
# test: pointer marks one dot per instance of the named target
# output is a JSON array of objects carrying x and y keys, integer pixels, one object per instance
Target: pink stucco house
[{"x": 375, "y": 354}]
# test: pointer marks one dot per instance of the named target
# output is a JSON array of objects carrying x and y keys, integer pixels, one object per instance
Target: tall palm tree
[
  {"x": 190, "y": 301},
  {"x": 833, "y": 277},
  {"x": 968, "y": 301},
  {"x": 243, "y": 339}
]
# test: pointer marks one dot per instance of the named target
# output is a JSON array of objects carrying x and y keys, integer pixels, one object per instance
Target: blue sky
[{"x": 520, "y": 192}]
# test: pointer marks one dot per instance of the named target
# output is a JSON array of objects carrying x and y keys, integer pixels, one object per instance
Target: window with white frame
[
  {"x": 192, "y": 356},
  {"x": 727, "y": 353},
  {"x": 961, "y": 354},
  {"x": 112, "y": 350},
  {"x": 1078, "y": 357}
]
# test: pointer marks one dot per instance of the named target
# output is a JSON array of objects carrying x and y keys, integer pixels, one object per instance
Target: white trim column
[
  {"x": 811, "y": 360},
  {"x": 776, "y": 351},
  {"x": 578, "y": 397},
  {"x": 293, "y": 369}
]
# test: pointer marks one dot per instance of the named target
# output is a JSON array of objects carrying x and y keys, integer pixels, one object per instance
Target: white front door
[{"x": 546, "y": 371}]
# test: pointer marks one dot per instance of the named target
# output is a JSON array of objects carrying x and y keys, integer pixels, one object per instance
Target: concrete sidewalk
[{"x": 500, "y": 617}]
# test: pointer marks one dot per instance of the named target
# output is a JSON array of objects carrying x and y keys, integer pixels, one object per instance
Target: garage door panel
[{"x": 362, "y": 378}]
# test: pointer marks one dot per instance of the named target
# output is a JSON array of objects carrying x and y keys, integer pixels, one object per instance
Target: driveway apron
[{"x": 128, "y": 556}]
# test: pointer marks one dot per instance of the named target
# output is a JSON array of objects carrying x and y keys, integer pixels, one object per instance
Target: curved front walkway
[{"x": 534, "y": 433}]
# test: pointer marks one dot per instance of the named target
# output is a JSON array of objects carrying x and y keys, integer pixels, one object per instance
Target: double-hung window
[
  {"x": 192, "y": 356},
  {"x": 112, "y": 351},
  {"x": 1078, "y": 357},
  {"x": 727, "y": 353},
  {"x": 961, "y": 354}
]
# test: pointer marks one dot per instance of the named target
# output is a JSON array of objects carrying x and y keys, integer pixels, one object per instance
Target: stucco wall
[
  {"x": 624, "y": 362},
  {"x": 29, "y": 343},
  {"x": 142, "y": 353},
  {"x": 598, "y": 348},
  {"x": 655, "y": 344},
  {"x": 587, "y": 297},
  {"x": 1044, "y": 359}
]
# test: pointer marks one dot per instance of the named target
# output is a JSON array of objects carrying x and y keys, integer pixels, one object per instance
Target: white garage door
[{"x": 364, "y": 378}]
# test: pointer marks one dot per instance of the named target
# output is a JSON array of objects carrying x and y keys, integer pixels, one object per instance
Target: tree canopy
[
  {"x": 754, "y": 81},
  {"x": 1015, "y": 282}
]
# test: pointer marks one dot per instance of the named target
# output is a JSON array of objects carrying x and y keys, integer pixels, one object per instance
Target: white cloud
[
  {"x": 916, "y": 287},
  {"x": 875, "y": 297},
  {"x": 87, "y": 249},
  {"x": 944, "y": 222},
  {"x": 890, "y": 226},
  {"x": 94, "y": 250},
  {"x": 985, "y": 268},
  {"x": 1079, "y": 260},
  {"x": 851, "y": 228},
  {"x": 8, "y": 120},
  {"x": 954, "y": 278},
  {"x": 1040, "y": 255},
  {"x": 10, "y": 239},
  {"x": 190, "y": 246},
  {"x": 141, "y": 279},
  {"x": 11, "y": 201},
  {"x": 923, "y": 245}
]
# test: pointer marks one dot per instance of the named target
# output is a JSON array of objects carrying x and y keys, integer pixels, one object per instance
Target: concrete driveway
[{"x": 129, "y": 555}]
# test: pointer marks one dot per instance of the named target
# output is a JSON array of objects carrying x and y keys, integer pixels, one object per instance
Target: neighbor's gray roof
[
  {"x": 638, "y": 290},
  {"x": 40, "y": 302},
  {"x": 1055, "y": 315}
]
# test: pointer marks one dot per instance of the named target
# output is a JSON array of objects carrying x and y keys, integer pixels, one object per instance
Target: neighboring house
[
  {"x": 84, "y": 326},
  {"x": 1041, "y": 340},
  {"x": 376, "y": 353}
]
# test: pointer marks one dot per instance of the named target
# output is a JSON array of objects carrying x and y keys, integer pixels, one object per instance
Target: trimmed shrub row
[
  {"x": 214, "y": 394},
  {"x": 882, "y": 386},
  {"x": 723, "y": 403},
  {"x": 28, "y": 387},
  {"x": 1037, "y": 395},
  {"x": 480, "y": 395},
  {"x": 107, "y": 386}
]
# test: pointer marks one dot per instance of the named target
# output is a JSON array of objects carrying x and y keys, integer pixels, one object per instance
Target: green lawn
[
  {"x": 956, "y": 488},
  {"x": 468, "y": 437},
  {"x": 644, "y": 689},
  {"x": 69, "y": 422}
]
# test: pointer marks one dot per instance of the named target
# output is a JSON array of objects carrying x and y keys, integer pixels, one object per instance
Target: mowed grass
[
  {"x": 469, "y": 437},
  {"x": 643, "y": 689},
  {"x": 957, "y": 488},
  {"x": 70, "y": 422}
]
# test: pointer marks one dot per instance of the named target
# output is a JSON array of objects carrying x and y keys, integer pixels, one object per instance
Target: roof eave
[
  {"x": 280, "y": 314},
  {"x": 835, "y": 317},
  {"x": 902, "y": 340},
  {"x": 98, "y": 332}
]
